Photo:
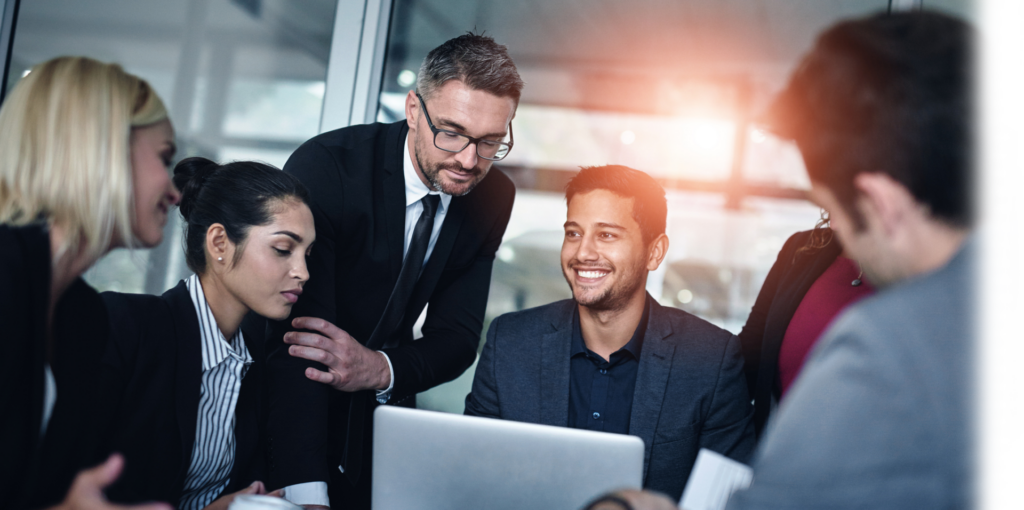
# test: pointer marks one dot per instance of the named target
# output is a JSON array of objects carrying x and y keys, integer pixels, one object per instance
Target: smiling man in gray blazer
[{"x": 612, "y": 359}]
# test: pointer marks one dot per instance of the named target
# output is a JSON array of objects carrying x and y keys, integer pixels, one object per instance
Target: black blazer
[
  {"x": 36, "y": 471},
  {"x": 761, "y": 338},
  {"x": 355, "y": 177},
  {"x": 152, "y": 376},
  {"x": 690, "y": 392}
]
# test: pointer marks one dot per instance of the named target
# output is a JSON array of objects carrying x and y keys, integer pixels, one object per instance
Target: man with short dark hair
[
  {"x": 612, "y": 359},
  {"x": 406, "y": 213},
  {"x": 881, "y": 414}
]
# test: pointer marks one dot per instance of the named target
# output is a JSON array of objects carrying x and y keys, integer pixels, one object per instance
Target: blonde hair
[{"x": 65, "y": 151}]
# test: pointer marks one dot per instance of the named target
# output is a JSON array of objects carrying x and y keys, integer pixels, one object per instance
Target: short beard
[
  {"x": 433, "y": 176},
  {"x": 611, "y": 299}
]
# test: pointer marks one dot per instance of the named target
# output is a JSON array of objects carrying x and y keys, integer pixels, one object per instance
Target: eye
[
  {"x": 283, "y": 253},
  {"x": 571, "y": 233},
  {"x": 607, "y": 235}
]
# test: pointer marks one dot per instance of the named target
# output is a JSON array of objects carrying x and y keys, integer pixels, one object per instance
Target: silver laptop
[{"x": 425, "y": 460}]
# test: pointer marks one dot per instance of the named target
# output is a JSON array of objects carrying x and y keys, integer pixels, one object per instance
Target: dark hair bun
[{"x": 189, "y": 176}]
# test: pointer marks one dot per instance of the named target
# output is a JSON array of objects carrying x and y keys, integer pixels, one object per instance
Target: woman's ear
[{"x": 219, "y": 248}]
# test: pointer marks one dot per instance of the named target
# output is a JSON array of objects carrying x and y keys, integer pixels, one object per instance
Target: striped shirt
[{"x": 224, "y": 365}]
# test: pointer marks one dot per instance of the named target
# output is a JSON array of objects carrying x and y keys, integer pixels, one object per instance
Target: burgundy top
[{"x": 829, "y": 294}]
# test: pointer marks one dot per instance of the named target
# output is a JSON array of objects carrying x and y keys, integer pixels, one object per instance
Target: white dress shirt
[
  {"x": 224, "y": 365},
  {"x": 315, "y": 493}
]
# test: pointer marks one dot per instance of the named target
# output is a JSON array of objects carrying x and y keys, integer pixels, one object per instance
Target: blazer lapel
[
  {"x": 248, "y": 410},
  {"x": 190, "y": 370},
  {"x": 394, "y": 195},
  {"x": 651, "y": 379},
  {"x": 554, "y": 370}
]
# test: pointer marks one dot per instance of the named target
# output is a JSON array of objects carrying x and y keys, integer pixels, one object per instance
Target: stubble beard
[
  {"x": 615, "y": 297},
  {"x": 433, "y": 176}
]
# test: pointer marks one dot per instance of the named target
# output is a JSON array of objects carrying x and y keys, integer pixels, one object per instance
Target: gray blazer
[
  {"x": 690, "y": 389},
  {"x": 881, "y": 414}
]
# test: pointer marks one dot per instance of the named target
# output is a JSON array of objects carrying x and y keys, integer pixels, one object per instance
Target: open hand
[
  {"x": 86, "y": 491},
  {"x": 350, "y": 365}
]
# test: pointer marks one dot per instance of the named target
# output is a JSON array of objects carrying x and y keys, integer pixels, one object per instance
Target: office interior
[{"x": 668, "y": 87}]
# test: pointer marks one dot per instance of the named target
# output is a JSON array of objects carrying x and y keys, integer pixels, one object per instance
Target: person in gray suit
[
  {"x": 881, "y": 415},
  {"x": 612, "y": 359}
]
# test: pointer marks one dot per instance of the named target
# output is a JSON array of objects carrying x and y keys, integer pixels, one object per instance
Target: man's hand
[
  {"x": 351, "y": 366},
  {"x": 86, "y": 492},
  {"x": 223, "y": 502}
]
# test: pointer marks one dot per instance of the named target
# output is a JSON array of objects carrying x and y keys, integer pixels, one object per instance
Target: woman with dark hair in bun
[{"x": 186, "y": 373}]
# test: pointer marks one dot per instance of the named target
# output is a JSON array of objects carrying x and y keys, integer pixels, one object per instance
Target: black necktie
[
  {"x": 394, "y": 312},
  {"x": 390, "y": 320}
]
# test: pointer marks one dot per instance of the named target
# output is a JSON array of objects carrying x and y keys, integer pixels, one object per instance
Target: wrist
[{"x": 383, "y": 372}]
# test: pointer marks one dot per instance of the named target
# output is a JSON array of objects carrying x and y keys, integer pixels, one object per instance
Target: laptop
[{"x": 425, "y": 460}]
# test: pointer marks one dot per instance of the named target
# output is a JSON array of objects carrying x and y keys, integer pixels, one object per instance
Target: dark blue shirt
[{"x": 601, "y": 392}]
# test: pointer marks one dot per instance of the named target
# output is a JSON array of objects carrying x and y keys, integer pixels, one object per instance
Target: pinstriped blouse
[{"x": 224, "y": 365}]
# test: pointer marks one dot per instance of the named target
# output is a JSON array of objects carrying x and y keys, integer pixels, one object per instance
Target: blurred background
[{"x": 670, "y": 87}]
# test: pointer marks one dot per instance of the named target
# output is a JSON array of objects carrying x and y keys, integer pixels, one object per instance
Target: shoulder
[
  {"x": 697, "y": 342},
  {"x": 534, "y": 320},
  {"x": 352, "y": 137}
]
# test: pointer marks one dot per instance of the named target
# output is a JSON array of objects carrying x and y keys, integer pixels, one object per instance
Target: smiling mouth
[{"x": 592, "y": 274}]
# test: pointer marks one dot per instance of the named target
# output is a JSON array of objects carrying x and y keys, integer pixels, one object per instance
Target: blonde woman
[{"x": 84, "y": 150}]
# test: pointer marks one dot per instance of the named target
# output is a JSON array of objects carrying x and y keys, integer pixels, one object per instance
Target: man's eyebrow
[
  {"x": 462, "y": 128},
  {"x": 615, "y": 226},
  {"x": 290, "y": 234}
]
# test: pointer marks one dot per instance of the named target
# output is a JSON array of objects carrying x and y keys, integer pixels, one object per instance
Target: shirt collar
[
  {"x": 215, "y": 347},
  {"x": 634, "y": 346},
  {"x": 415, "y": 190}
]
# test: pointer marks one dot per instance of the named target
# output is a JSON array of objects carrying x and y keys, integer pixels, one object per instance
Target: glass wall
[
  {"x": 668, "y": 87},
  {"x": 242, "y": 79}
]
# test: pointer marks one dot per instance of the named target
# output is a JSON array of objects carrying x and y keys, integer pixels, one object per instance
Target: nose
[
  {"x": 173, "y": 195},
  {"x": 587, "y": 249},
  {"x": 467, "y": 158},
  {"x": 299, "y": 271}
]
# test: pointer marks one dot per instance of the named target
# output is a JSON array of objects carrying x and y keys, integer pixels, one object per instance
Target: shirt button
[
  {"x": 597, "y": 416},
  {"x": 603, "y": 371}
]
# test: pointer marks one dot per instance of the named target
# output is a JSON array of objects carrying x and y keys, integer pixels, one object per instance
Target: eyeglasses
[{"x": 450, "y": 141}]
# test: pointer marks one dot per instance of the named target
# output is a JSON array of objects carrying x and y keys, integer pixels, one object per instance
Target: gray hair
[{"x": 475, "y": 60}]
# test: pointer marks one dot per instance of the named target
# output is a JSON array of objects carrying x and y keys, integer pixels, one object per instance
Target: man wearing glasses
[{"x": 406, "y": 214}]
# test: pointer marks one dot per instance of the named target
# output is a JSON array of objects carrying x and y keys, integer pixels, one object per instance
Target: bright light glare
[
  {"x": 506, "y": 254},
  {"x": 24, "y": 74},
  {"x": 758, "y": 136},
  {"x": 317, "y": 88},
  {"x": 684, "y": 296},
  {"x": 406, "y": 78},
  {"x": 627, "y": 137}
]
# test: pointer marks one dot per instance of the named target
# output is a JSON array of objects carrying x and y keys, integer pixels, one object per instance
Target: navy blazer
[
  {"x": 152, "y": 377},
  {"x": 690, "y": 390}
]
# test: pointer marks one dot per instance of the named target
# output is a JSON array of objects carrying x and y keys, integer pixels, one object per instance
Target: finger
[
  {"x": 310, "y": 340},
  {"x": 318, "y": 355},
  {"x": 316, "y": 324},
  {"x": 147, "y": 506},
  {"x": 103, "y": 475},
  {"x": 318, "y": 376},
  {"x": 279, "y": 493},
  {"x": 253, "y": 488}
]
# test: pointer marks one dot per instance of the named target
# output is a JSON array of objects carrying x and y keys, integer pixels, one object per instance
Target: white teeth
[{"x": 592, "y": 274}]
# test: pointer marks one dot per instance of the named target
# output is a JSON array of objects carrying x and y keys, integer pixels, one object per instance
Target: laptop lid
[{"x": 430, "y": 460}]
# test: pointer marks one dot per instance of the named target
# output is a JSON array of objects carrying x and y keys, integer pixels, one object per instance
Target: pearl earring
[{"x": 220, "y": 259}]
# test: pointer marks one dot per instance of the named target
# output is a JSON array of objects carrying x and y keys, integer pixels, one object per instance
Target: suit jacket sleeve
[
  {"x": 451, "y": 333},
  {"x": 753, "y": 331},
  {"x": 483, "y": 398},
  {"x": 729, "y": 426},
  {"x": 299, "y": 457}
]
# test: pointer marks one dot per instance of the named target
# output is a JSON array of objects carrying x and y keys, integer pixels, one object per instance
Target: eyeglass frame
[{"x": 472, "y": 140}]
